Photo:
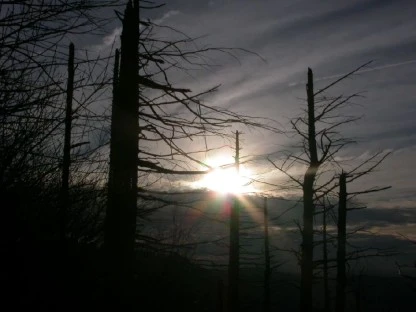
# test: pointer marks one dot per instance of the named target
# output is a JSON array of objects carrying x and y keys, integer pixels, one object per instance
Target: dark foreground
[{"x": 44, "y": 276}]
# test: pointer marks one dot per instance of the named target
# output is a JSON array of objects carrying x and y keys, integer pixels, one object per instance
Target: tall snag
[
  {"x": 234, "y": 258},
  {"x": 267, "y": 269},
  {"x": 120, "y": 222},
  {"x": 327, "y": 295},
  {"x": 67, "y": 146},
  {"x": 342, "y": 238},
  {"x": 308, "y": 204},
  {"x": 320, "y": 132}
]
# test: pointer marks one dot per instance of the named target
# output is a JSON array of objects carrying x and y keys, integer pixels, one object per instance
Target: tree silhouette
[
  {"x": 120, "y": 224},
  {"x": 321, "y": 140},
  {"x": 234, "y": 256},
  {"x": 33, "y": 60},
  {"x": 342, "y": 239},
  {"x": 66, "y": 163},
  {"x": 308, "y": 202},
  {"x": 149, "y": 109}
]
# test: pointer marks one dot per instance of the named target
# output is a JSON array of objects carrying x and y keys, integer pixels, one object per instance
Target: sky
[
  {"x": 330, "y": 37},
  {"x": 333, "y": 38},
  {"x": 286, "y": 37}
]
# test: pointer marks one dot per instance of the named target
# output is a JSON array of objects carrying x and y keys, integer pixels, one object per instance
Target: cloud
[
  {"x": 166, "y": 16},
  {"x": 107, "y": 42},
  {"x": 112, "y": 38}
]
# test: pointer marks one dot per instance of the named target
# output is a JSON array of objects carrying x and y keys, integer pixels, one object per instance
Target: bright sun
[{"x": 226, "y": 180}]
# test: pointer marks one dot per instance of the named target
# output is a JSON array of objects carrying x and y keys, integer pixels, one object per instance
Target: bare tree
[
  {"x": 120, "y": 223},
  {"x": 267, "y": 258},
  {"x": 66, "y": 163},
  {"x": 149, "y": 109},
  {"x": 321, "y": 141},
  {"x": 33, "y": 57},
  {"x": 234, "y": 257}
]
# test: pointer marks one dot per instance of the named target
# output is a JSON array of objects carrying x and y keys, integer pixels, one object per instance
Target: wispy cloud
[
  {"x": 108, "y": 41},
  {"x": 332, "y": 38},
  {"x": 166, "y": 16},
  {"x": 112, "y": 38}
]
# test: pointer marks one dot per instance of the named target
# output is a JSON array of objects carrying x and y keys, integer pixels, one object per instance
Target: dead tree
[
  {"x": 327, "y": 295},
  {"x": 234, "y": 257},
  {"x": 33, "y": 59},
  {"x": 149, "y": 109},
  {"x": 120, "y": 222},
  {"x": 67, "y": 146},
  {"x": 320, "y": 142},
  {"x": 308, "y": 203},
  {"x": 342, "y": 238},
  {"x": 267, "y": 269}
]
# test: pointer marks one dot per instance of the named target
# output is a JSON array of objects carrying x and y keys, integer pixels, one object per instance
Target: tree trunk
[
  {"x": 267, "y": 271},
  {"x": 308, "y": 205},
  {"x": 234, "y": 258},
  {"x": 342, "y": 237},
  {"x": 327, "y": 296},
  {"x": 120, "y": 222},
  {"x": 67, "y": 146},
  {"x": 114, "y": 108}
]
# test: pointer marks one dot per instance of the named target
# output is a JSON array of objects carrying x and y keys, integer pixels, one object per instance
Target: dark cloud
[{"x": 383, "y": 217}]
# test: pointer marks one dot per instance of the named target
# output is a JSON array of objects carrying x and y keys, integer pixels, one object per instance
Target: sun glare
[{"x": 226, "y": 180}]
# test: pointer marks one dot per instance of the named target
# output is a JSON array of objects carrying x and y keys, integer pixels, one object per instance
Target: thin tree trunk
[
  {"x": 114, "y": 108},
  {"x": 342, "y": 236},
  {"x": 267, "y": 271},
  {"x": 327, "y": 297},
  {"x": 308, "y": 205},
  {"x": 67, "y": 146},
  {"x": 120, "y": 222},
  {"x": 234, "y": 258}
]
